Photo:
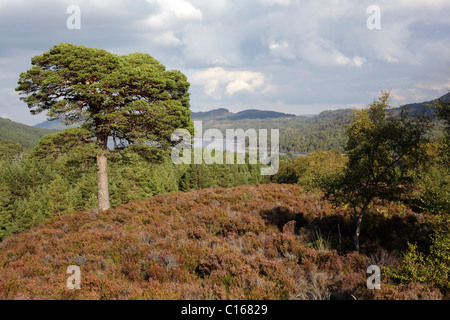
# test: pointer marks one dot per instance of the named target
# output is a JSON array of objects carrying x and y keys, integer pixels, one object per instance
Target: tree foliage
[
  {"x": 383, "y": 152},
  {"x": 311, "y": 170},
  {"x": 431, "y": 268},
  {"x": 131, "y": 98},
  {"x": 10, "y": 150},
  {"x": 443, "y": 112},
  {"x": 74, "y": 143}
]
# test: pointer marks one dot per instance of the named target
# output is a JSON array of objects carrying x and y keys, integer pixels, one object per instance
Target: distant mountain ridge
[
  {"x": 53, "y": 124},
  {"x": 216, "y": 114},
  {"x": 414, "y": 108},
  {"x": 225, "y": 114},
  {"x": 251, "y": 114},
  {"x": 298, "y": 133}
]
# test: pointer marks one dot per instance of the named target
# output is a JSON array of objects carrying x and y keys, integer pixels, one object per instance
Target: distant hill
[
  {"x": 298, "y": 134},
  {"x": 53, "y": 124},
  {"x": 424, "y": 107},
  {"x": 302, "y": 134},
  {"x": 216, "y": 114},
  {"x": 26, "y": 135},
  {"x": 225, "y": 114}
]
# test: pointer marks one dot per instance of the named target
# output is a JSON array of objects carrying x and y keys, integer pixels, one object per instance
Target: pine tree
[{"x": 131, "y": 98}]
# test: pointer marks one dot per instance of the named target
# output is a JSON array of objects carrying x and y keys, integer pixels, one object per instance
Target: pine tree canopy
[{"x": 132, "y": 98}]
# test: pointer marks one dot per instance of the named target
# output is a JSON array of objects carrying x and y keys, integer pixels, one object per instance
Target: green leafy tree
[
  {"x": 383, "y": 151},
  {"x": 443, "y": 112},
  {"x": 310, "y": 170},
  {"x": 433, "y": 194},
  {"x": 131, "y": 98},
  {"x": 434, "y": 179}
]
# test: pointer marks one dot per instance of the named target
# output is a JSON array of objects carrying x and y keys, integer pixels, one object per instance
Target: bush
[
  {"x": 311, "y": 170},
  {"x": 435, "y": 194},
  {"x": 431, "y": 268}
]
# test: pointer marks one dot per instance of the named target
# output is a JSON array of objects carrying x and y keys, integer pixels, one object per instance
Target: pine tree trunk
[{"x": 102, "y": 182}]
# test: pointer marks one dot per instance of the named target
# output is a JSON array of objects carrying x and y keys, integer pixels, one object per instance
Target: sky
[{"x": 293, "y": 56}]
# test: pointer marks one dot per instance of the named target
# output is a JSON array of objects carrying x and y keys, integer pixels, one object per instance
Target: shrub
[{"x": 432, "y": 268}]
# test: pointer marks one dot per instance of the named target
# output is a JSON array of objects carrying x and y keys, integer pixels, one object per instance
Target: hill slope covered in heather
[{"x": 251, "y": 242}]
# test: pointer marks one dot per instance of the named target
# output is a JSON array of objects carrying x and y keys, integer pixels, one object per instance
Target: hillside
[
  {"x": 53, "y": 124},
  {"x": 26, "y": 135},
  {"x": 216, "y": 114},
  {"x": 298, "y": 134},
  {"x": 250, "y": 242},
  {"x": 424, "y": 107},
  {"x": 225, "y": 114},
  {"x": 304, "y": 134}
]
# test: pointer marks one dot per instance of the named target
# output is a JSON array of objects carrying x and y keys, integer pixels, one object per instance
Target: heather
[{"x": 266, "y": 241}]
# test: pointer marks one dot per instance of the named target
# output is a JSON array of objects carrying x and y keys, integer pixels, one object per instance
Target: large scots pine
[{"x": 131, "y": 98}]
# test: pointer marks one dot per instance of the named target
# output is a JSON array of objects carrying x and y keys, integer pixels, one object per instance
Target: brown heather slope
[{"x": 248, "y": 242}]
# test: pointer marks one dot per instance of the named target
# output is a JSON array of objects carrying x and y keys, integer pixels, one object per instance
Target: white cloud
[
  {"x": 173, "y": 12},
  {"x": 439, "y": 50},
  {"x": 323, "y": 52},
  {"x": 415, "y": 4},
  {"x": 214, "y": 9},
  {"x": 168, "y": 38},
  {"x": 435, "y": 86},
  {"x": 359, "y": 61},
  {"x": 218, "y": 81},
  {"x": 342, "y": 60},
  {"x": 212, "y": 45},
  {"x": 277, "y": 2},
  {"x": 282, "y": 50},
  {"x": 393, "y": 44},
  {"x": 307, "y": 47}
]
